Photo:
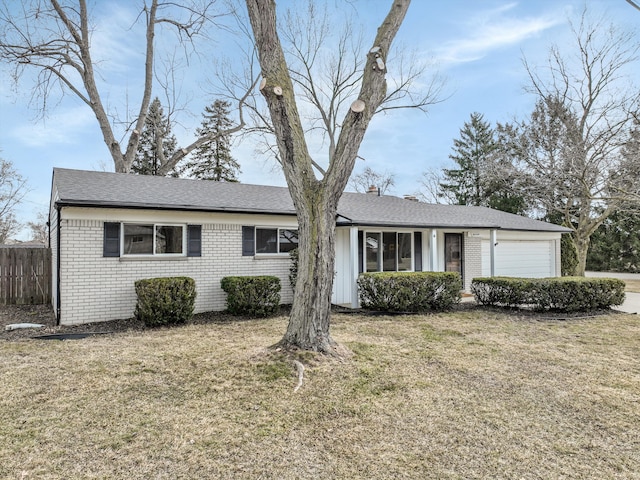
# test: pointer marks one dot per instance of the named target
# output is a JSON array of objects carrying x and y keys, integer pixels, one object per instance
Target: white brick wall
[
  {"x": 95, "y": 288},
  {"x": 472, "y": 260}
]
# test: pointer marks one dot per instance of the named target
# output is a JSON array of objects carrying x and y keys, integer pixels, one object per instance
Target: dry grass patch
[
  {"x": 632, "y": 286},
  {"x": 471, "y": 394}
]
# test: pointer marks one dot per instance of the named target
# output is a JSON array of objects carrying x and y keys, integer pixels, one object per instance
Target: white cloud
[
  {"x": 117, "y": 39},
  {"x": 63, "y": 127},
  {"x": 492, "y": 30}
]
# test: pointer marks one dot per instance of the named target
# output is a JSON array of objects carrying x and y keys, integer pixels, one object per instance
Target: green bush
[
  {"x": 568, "y": 256},
  {"x": 255, "y": 296},
  {"x": 165, "y": 301},
  {"x": 563, "y": 294},
  {"x": 409, "y": 291}
]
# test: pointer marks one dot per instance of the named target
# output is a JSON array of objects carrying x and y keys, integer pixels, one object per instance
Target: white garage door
[{"x": 532, "y": 259}]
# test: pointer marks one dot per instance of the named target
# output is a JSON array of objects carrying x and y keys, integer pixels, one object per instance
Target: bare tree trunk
[
  {"x": 310, "y": 315},
  {"x": 316, "y": 200},
  {"x": 582, "y": 248}
]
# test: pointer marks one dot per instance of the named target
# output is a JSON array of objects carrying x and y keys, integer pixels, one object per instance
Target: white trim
[
  {"x": 493, "y": 242},
  {"x": 433, "y": 250},
  {"x": 353, "y": 256}
]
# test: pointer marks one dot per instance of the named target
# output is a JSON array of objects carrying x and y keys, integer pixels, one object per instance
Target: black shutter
[
  {"x": 417, "y": 248},
  {"x": 111, "y": 243},
  {"x": 360, "y": 251},
  {"x": 194, "y": 240},
  {"x": 248, "y": 241}
]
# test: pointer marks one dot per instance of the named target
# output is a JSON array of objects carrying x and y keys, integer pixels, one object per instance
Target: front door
[{"x": 453, "y": 252}]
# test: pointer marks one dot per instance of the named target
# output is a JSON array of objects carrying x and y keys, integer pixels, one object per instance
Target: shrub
[
  {"x": 502, "y": 291},
  {"x": 410, "y": 291},
  {"x": 165, "y": 301},
  {"x": 564, "y": 294},
  {"x": 568, "y": 256},
  {"x": 255, "y": 296}
]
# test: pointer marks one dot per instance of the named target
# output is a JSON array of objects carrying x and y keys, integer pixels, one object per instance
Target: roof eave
[{"x": 181, "y": 208}]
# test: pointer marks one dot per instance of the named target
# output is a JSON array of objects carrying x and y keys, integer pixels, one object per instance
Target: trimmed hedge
[
  {"x": 409, "y": 291},
  {"x": 255, "y": 296},
  {"x": 563, "y": 294},
  {"x": 165, "y": 301}
]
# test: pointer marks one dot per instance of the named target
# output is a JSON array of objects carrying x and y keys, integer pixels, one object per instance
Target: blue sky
[{"x": 477, "y": 46}]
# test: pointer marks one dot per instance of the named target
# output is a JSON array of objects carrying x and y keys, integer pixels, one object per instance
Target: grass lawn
[{"x": 469, "y": 394}]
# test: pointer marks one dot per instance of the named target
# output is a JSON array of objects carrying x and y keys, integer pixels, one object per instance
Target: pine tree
[
  {"x": 465, "y": 185},
  {"x": 157, "y": 143},
  {"x": 480, "y": 177},
  {"x": 213, "y": 160}
]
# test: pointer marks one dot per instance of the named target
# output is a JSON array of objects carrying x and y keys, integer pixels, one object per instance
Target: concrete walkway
[{"x": 632, "y": 300}]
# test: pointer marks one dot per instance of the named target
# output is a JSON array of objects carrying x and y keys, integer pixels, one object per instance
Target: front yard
[{"x": 470, "y": 394}]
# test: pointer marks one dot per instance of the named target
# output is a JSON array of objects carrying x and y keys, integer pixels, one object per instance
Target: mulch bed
[{"x": 43, "y": 314}]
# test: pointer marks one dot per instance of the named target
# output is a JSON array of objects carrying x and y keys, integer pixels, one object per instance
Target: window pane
[
  {"x": 288, "y": 240},
  {"x": 266, "y": 240},
  {"x": 372, "y": 245},
  {"x": 389, "y": 251},
  {"x": 168, "y": 239},
  {"x": 404, "y": 252},
  {"x": 138, "y": 239}
]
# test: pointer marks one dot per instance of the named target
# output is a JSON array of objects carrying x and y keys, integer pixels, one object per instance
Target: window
[
  {"x": 138, "y": 239},
  {"x": 261, "y": 241},
  {"x": 389, "y": 251},
  {"x": 288, "y": 240},
  {"x": 275, "y": 240},
  {"x": 150, "y": 239}
]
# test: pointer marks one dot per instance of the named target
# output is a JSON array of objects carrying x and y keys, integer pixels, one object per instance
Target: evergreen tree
[
  {"x": 466, "y": 185},
  {"x": 213, "y": 160},
  {"x": 615, "y": 245},
  {"x": 157, "y": 143}
]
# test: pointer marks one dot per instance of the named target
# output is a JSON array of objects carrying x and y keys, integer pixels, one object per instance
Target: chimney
[{"x": 372, "y": 189}]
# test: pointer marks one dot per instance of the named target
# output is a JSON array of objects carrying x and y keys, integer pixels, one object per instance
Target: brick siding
[{"x": 96, "y": 288}]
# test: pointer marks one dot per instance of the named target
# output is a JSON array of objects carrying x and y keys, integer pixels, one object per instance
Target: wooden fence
[{"x": 25, "y": 276}]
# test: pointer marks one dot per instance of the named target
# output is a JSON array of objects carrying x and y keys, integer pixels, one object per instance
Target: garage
[{"x": 521, "y": 258}]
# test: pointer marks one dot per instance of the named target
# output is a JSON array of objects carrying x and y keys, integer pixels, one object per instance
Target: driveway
[{"x": 631, "y": 300}]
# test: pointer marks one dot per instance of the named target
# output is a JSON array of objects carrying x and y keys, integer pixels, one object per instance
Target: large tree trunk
[
  {"x": 316, "y": 200},
  {"x": 582, "y": 248},
  {"x": 310, "y": 314}
]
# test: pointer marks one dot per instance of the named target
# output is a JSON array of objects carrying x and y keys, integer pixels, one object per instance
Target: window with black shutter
[
  {"x": 194, "y": 240},
  {"x": 111, "y": 242},
  {"x": 248, "y": 241}
]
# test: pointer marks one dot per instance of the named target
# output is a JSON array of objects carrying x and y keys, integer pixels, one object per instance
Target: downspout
[{"x": 58, "y": 250}]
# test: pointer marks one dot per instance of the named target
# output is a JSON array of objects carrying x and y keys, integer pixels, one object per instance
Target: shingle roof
[{"x": 123, "y": 190}]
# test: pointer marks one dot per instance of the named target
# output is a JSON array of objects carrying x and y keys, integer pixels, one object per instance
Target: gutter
[
  {"x": 181, "y": 208},
  {"x": 58, "y": 276}
]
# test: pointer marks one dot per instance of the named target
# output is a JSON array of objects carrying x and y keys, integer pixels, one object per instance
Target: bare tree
[
  {"x": 39, "y": 229},
  {"x": 13, "y": 188},
  {"x": 585, "y": 113},
  {"x": 430, "y": 191},
  {"x": 316, "y": 199},
  {"x": 52, "y": 38},
  {"x": 634, "y": 4},
  {"x": 326, "y": 57},
  {"x": 368, "y": 178}
]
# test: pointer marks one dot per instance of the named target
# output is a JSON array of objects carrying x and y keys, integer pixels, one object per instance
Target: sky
[{"x": 475, "y": 46}]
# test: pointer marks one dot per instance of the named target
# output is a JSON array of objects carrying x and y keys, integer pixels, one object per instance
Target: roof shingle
[{"x": 123, "y": 190}]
